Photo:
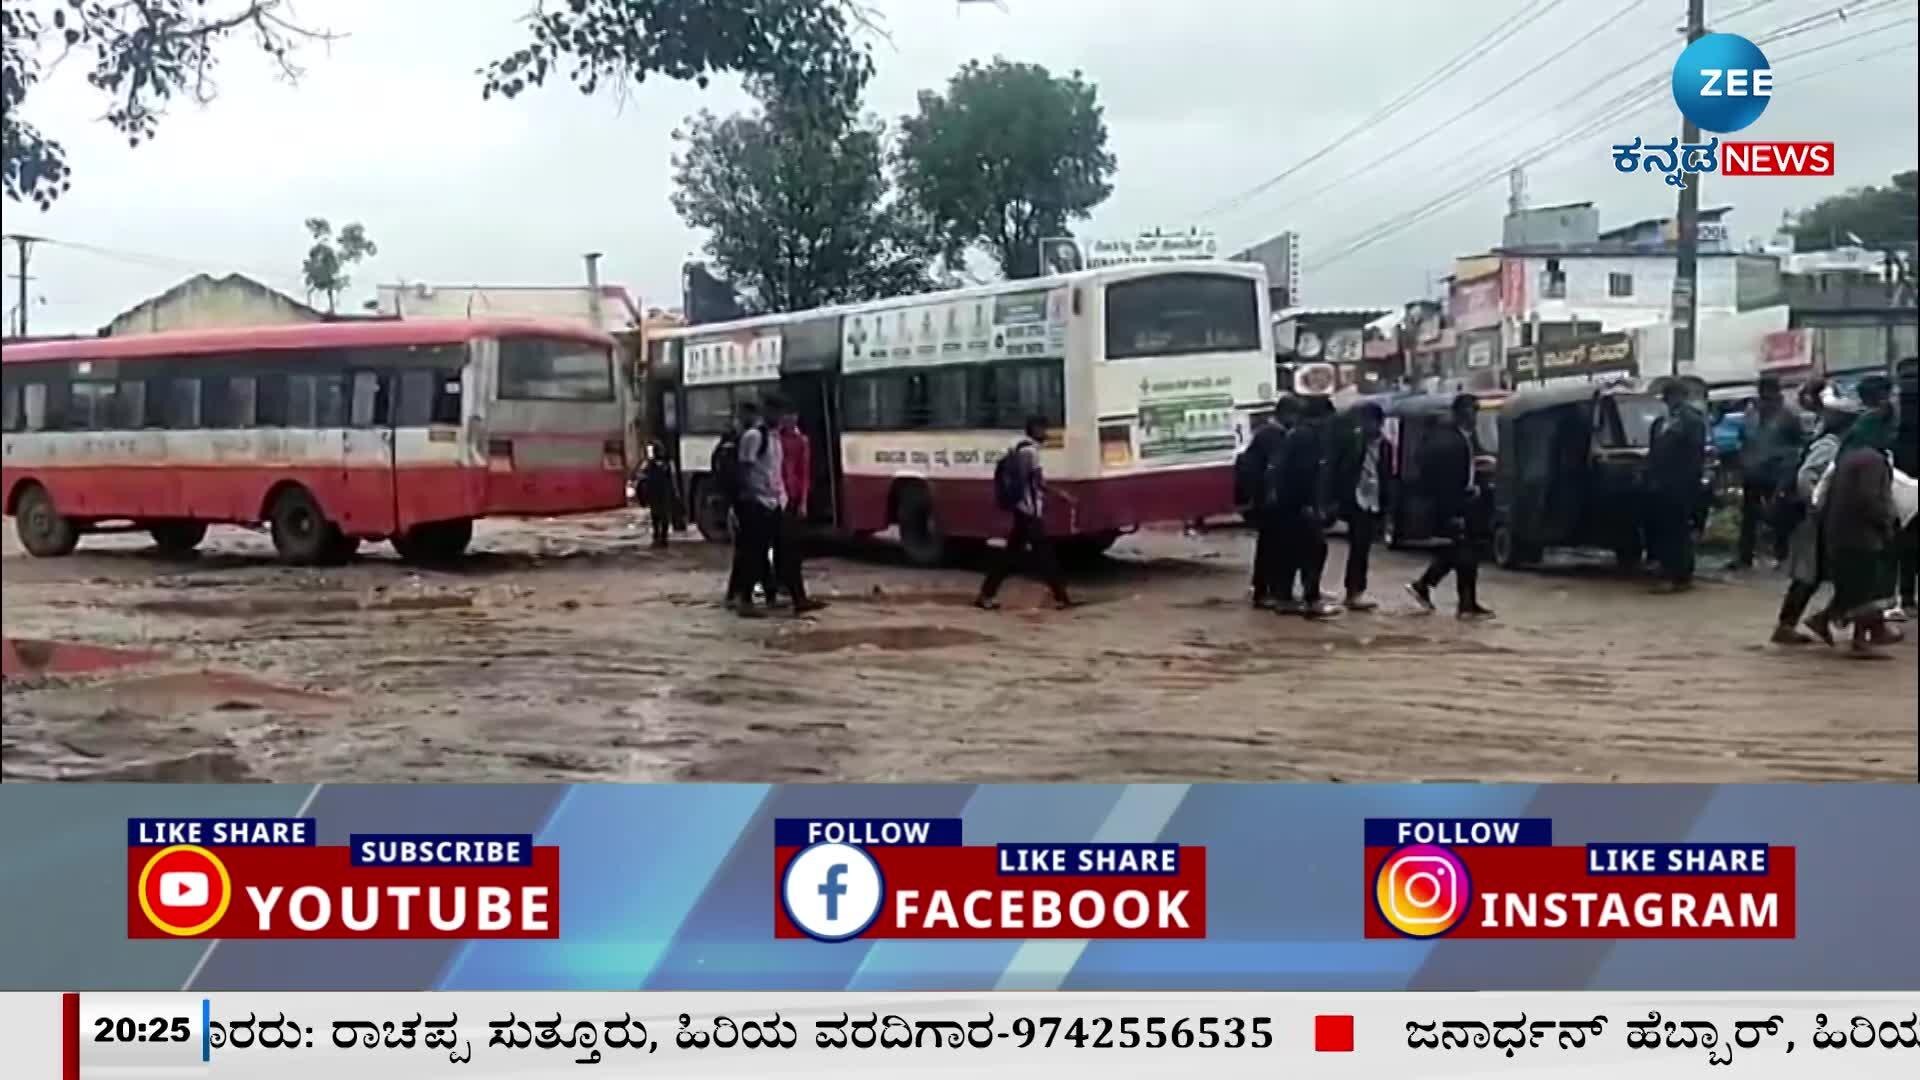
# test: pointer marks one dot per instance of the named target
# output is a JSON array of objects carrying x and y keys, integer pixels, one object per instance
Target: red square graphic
[{"x": 1333, "y": 1034}]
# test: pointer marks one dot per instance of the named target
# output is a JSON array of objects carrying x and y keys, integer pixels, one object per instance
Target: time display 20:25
[{"x": 126, "y": 1029}]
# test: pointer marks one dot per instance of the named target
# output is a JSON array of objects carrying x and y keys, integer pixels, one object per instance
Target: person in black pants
[
  {"x": 1771, "y": 443},
  {"x": 1447, "y": 474},
  {"x": 1270, "y": 572},
  {"x": 756, "y": 510},
  {"x": 1674, "y": 467},
  {"x": 1362, "y": 478},
  {"x": 660, "y": 486},
  {"x": 1028, "y": 532}
]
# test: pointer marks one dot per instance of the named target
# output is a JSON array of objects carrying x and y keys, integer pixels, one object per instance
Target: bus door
[
  {"x": 370, "y": 507},
  {"x": 429, "y": 481},
  {"x": 812, "y": 394}
]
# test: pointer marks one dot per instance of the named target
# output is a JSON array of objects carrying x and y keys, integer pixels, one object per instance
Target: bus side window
[
  {"x": 183, "y": 408},
  {"x": 155, "y": 393},
  {"x": 130, "y": 406},
  {"x": 446, "y": 398},
  {"x": 33, "y": 401},
  {"x": 415, "y": 406},
  {"x": 12, "y": 417},
  {"x": 372, "y": 400},
  {"x": 329, "y": 401},
  {"x": 270, "y": 400}
]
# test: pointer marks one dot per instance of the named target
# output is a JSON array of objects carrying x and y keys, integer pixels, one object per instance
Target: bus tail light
[
  {"x": 613, "y": 455},
  {"x": 499, "y": 455},
  {"x": 1116, "y": 445}
]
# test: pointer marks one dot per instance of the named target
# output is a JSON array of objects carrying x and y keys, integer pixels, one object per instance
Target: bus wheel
[
  {"x": 920, "y": 535},
  {"x": 43, "y": 531},
  {"x": 302, "y": 535},
  {"x": 1509, "y": 552},
  {"x": 177, "y": 537},
  {"x": 710, "y": 513},
  {"x": 435, "y": 542},
  {"x": 1081, "y": 550}
]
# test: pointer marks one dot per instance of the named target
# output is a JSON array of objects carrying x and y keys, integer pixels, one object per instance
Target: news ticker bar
[{"x": 139, "y": 1036}]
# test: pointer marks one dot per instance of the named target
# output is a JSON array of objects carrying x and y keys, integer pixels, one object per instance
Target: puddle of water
[
  {"x": 22, "y": 658},
  {"x": 886, "y": 638},
  {"x": 303, "y": 605}
]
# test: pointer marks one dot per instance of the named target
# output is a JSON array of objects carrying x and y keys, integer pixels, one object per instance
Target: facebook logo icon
[{"x": 832, "y": 892}]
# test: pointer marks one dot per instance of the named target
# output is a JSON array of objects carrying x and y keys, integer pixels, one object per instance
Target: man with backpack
[
  {"x": 1020, "y": 489},
  {"x": 759, "y": 497}
]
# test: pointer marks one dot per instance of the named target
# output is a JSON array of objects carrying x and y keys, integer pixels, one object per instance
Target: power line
[
  {"x": 1577, "y": 42},
  {"x": 1492, "y": 39},
  {"x": 1637, "y": 99},
  {"x": 1780, "y": 32},
  {"x": 161, "y": 262}
]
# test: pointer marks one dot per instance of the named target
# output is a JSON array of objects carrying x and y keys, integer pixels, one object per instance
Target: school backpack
[
  {"x": 724, "y": 469},
  {"x": 1009, "y": 480}
]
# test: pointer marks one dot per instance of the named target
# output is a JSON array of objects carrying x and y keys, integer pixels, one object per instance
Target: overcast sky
[{"x": 1205, "y": 99}]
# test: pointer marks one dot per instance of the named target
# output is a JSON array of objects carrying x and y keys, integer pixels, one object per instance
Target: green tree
[
  {"x": 1008, "y": 156},
  {"x": 795, "y": 203},
  {"x": 805, "y": 49},
  {"x": 146, "y": 53},
  {"x": 1881, "y": 217},
  {"x": 327, "y": 260}
]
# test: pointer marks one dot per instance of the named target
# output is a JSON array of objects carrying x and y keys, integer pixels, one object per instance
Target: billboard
[{"x": 1281, "y": 256}]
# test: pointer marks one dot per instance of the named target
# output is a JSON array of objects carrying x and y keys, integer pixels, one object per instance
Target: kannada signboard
[
  {"x": 1011, "y": 326},
  {"x": 1152, "y": 247},
  {"x": 1181, "y": 417},
  {"x": 1601, "y": 354},
  {"x": 742, "y": 356}
]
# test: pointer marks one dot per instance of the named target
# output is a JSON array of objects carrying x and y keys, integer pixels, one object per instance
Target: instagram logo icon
[{"x": 1422, "y": 890}]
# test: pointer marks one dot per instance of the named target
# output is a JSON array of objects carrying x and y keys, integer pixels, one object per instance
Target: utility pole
[
  {"x": 25, "y": 244},
  {"x": 1687, "y": 222}
]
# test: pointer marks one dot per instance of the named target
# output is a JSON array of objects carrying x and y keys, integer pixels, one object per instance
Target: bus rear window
[
  {"x": 1176, "y": 314},
  {"x": 535, "y": 370}
]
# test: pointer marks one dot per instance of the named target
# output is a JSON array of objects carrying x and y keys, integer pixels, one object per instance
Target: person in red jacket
[{"x": 796, "y": 477}]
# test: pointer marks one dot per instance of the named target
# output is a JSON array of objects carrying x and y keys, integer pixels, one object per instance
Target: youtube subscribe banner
[
  {"x": 250, "y": 1034},
  {"x": 960, "y": 888}
]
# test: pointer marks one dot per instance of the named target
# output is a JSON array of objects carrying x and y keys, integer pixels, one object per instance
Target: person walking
[
  {"x": 1449, "y": 480},
  {"x": 756, "y": 510},
  {"x": 1674, "y": 464},
  {"x": 1770, "y": 447},
  {"x": 1858, "y": 521},
  {"x": 1363, "y": 479},
  {"x": 1806, "y": 561},
  {"x": 660, "y": 486},
  {"x": 796, "y": 480},
  {"x": 1264, "y": 453},
  {"x": 1310, "y": 504},
  {"x": 1020, "y": 490}
]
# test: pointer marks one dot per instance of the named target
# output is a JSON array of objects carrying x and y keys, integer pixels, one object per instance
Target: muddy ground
[{"x": 566, "y": 650}]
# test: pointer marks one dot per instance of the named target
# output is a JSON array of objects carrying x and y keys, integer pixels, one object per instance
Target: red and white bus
[
  {"x": 1150, "y": 376},
  {"x": 329, "y": 433}
]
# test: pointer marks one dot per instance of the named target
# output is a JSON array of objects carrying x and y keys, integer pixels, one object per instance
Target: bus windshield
[
  {"x": 536, "y": 369},
  {"x": 1176, "y": 314}
]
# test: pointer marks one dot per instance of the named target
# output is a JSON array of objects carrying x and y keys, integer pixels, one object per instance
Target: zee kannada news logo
[{"x": 1723, "y": 83}]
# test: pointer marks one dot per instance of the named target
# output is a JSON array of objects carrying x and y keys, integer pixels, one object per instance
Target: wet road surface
[{"x": 567, "y": 650}]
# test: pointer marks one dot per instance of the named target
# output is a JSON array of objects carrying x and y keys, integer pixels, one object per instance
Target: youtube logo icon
[{"x": 184, "y": 890}]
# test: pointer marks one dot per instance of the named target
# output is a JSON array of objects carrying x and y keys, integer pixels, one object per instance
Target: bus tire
[
  {"x": 711, "y": 513},
  {"x": 43, "y": 531},
  {"x": 920, "y": 535},
  {"x": 1510, "y": 553},
  {"x": 177, "y": 537},
  {"x": 1081, "y": 550},
  {"x": 302, "y": 535},
  {"x": 435, "y": 541}
]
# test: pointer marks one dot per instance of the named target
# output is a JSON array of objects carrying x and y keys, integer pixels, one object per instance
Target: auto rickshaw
[
  {"x": 1572, "y": 471},
  {"x": 1411, "y": 424}
]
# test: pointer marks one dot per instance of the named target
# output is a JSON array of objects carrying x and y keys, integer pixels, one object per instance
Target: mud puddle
[
  {"x": 245, "y": 607},
  {"x": 883, "y": 638},
  {"x": 36, "y": 658}
]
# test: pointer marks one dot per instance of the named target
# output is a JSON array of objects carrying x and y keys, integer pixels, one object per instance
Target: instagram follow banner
[{"x": 1289, "y": 887}]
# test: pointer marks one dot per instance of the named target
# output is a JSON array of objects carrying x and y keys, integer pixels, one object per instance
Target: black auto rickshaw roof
[{"x": 1536, "y": 399}]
